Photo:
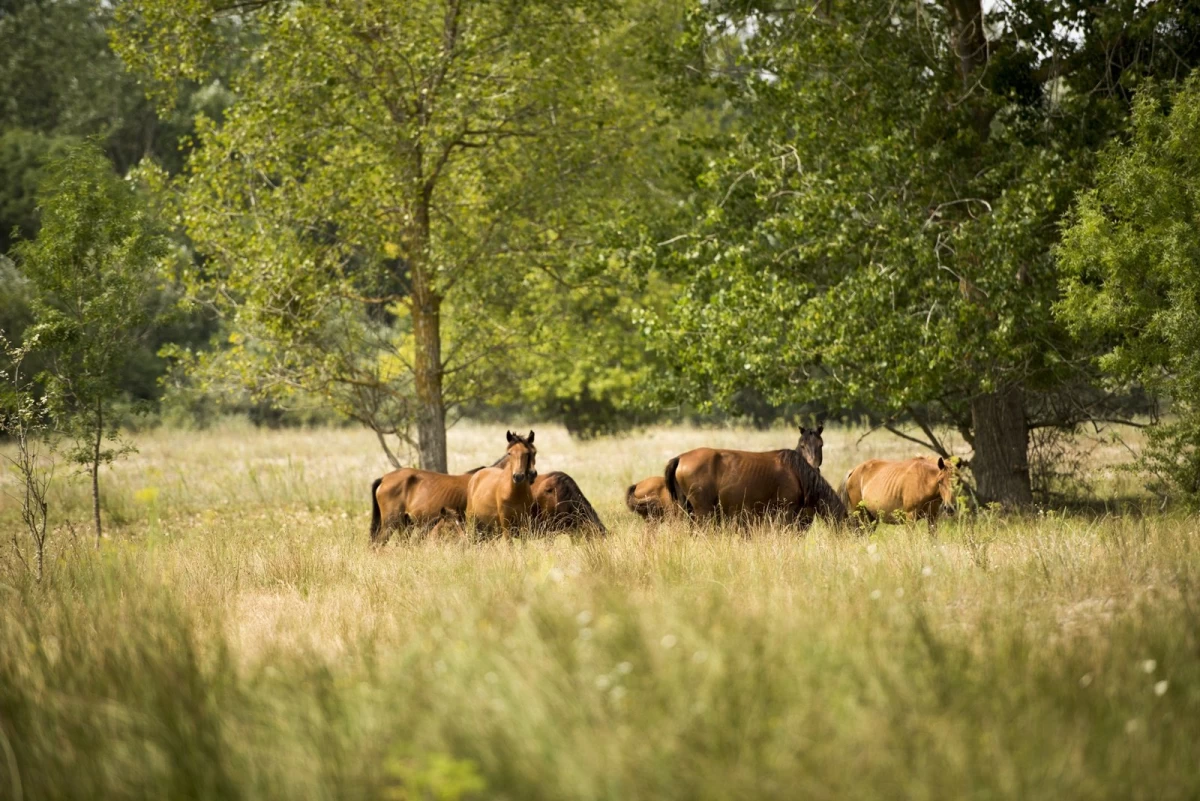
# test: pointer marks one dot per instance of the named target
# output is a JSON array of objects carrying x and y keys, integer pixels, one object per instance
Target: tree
[
  {"x": 92, "y": 267},
  {"x": 1130, "y": 260},
  {"x": 880, "y": 232},
  {"x": 373, "y": 208},
  {"x": 23, "y": 419}
]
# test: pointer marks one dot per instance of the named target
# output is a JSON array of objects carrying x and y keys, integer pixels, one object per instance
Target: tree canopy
[{"x": 879, "y": 232}]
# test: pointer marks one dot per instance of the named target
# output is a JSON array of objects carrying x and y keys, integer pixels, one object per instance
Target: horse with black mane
[
  {"x": 559, "y": 505},
  {"x": 709, "y": 482}
]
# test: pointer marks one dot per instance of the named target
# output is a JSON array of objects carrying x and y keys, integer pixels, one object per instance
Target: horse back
[
  {"x": 900, "y": 486},
  {"x": 735, "y": 479}
]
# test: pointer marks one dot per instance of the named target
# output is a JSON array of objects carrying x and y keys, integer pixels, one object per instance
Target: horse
[
  {"x": 650, "y": 498},
  {"x": 559, "y": 505},
  {"x": 709, "y": 482},
  {"x": 917, "y": 488},
  {"x": 409, "y": 498},
  {"x": 501, "y": 496}
]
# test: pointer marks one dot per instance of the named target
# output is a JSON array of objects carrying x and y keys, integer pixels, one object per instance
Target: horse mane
[
  {"x": 573, "y": 505},
  {"x": 817, "y": 493}
]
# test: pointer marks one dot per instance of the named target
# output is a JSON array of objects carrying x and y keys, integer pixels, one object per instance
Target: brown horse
[
  {"x": 708, "y": 482},
  {"x": 914, "y": 488},
  {"x": 559, "y": 505},
  {"x": 502, "y": 496},
  {"x": 650, "y": 498},
  {"x": 409, "y": 498}
]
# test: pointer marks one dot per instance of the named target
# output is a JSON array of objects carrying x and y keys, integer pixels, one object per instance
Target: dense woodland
[{"x": 951, "y": 215}]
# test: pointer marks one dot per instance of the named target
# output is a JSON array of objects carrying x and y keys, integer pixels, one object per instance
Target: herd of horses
[{"x": 704, "y": 483}]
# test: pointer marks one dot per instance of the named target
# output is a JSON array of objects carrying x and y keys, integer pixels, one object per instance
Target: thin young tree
[
  {"x": 93, "y": 268},
  {"x": 23, "y": 420}
]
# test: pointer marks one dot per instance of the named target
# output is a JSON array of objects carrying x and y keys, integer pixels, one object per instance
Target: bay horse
[
  {"x": 559, "y": 505},
  {"x": 914, "y": 488},
  {"x": 411, "y": 498},
  {"x": 650, "y": 498},
  {"x": 501, "y": 496},
  {"x": 708, "y": 482}
]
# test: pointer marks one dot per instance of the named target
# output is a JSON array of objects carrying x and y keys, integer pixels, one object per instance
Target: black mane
[{"x": 815, "y": 490}]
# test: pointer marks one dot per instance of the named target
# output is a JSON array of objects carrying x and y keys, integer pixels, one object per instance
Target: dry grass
[{"x": 236, "y": 637}]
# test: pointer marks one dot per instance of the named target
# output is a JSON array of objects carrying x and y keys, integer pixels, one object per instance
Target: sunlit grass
[{"x": 236, "y": 637}]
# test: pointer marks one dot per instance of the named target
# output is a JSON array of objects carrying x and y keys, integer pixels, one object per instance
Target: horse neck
[{"x": 512, "y": 489}]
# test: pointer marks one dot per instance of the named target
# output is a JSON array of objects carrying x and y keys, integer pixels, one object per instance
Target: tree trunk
[
  {"x": 427, "y": 361},
  {"x": 96, "y": 470},
  {"x": 1001, "y": 459},
  {"x": 968, "y": 38}
]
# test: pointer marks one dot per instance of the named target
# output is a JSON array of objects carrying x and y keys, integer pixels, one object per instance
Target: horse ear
[
  {"x": 530, "y": 437},
  {"x": 509, "y": 436},
  {"x": 820, "y": 428},
  {"x": 803, "y": 431},
  {"x": 941, "y": 463}
]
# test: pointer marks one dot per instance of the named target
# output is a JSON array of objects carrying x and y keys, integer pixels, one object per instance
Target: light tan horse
[
  {"x": 650, "y": 498},
  {"x": 911, "y": 489},
  {"x": 709, "y": 482},
  {"x": 502, "y": 496}
]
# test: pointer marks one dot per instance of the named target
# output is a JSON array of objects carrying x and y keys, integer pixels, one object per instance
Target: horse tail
[
  {"x": 669, "y": 476},
  {"x": 629, "y": 500},
  {"x": 376, "y": 517},
  {"x": 844, "y": 489},
  {"x": 673, "y": 486}
]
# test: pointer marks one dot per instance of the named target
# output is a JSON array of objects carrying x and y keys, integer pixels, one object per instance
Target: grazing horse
[
  {"x": 559, "y": 505},
  {"x": 409, "y": 498},
  {"x": 502, "y": 495},
  {"x": 650, "y": 498},
  {"x": 708, "y": 482},
  {"x": 917, "y": 488}
]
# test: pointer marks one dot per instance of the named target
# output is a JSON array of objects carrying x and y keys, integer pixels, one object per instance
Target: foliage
[
  {"x": 92, "y": 266},
  {"x": 1131, "y": 266},
  {"x": 376, "y": 209},
  {"x": 879, "y": 233}
]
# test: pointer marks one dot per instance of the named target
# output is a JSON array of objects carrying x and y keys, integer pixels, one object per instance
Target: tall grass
[{"x": 241, "y": 641}]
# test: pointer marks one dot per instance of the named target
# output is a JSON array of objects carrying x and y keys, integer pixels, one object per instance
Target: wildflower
[
  {"x": 618, "y": 693},
  {"x": 899, "y": 592},
  {"x": 700, "y": 657},
  {"x": 927, "y": 571},
  {"x": 876, "y": 595},
  {"x": 583, "y": 618},
  {"x": 555, "y": 575},
  {"x": 602, "y": 682},
  {"x": 1085, "y": 680},
  {"x": 1160, "y": 688},
  {"x": 624, "y": 668},
  {"x": 1149, "y": 665},
  {"x": 669, "y": 641}
]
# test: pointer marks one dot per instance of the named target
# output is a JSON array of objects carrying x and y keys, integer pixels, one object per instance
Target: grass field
[{"x": 236, "y": 638}]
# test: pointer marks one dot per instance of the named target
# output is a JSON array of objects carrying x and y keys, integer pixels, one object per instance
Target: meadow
[{"x": 235, "y": 637}]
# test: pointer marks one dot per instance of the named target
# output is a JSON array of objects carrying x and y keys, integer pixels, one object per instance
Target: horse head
[
  {"x": 811, "y": 445},
  {"x": 523, "y": 459},
  {"x": 945, "y": 484}
]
